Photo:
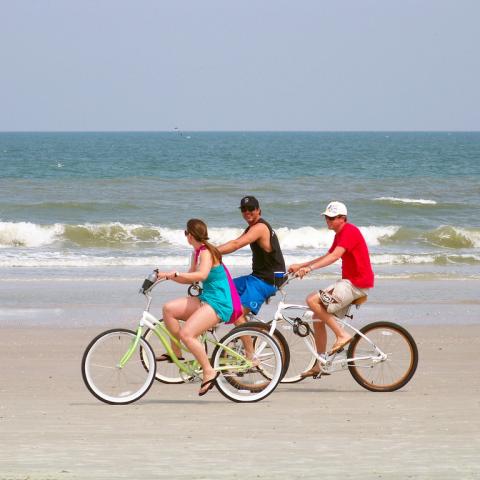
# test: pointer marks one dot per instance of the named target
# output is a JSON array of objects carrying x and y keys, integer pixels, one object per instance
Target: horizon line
[{"x": 239, "y": 131}]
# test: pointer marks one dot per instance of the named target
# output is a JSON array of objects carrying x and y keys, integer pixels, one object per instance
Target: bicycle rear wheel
[
  {"x": 103, "y": 375},
  {"x": 390, "y": 374},
  {"x": 239, "y": 383}
]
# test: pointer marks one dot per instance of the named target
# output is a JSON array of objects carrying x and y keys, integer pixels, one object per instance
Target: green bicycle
[{"x": 119, "y": 365}]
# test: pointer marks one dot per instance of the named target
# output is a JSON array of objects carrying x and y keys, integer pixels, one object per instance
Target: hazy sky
[{"x": 239, "y": 65}]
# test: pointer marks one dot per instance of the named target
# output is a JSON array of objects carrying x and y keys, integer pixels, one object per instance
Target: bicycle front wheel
[
  {"x": 109, "y": 376},
  {"x": 166, "y": 372},
  {"x": 301, "y": 357},
  {"x": 387, "y": 374},
  {"x": 239, "y": 383}
]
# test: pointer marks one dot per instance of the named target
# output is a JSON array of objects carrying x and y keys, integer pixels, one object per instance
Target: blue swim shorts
[{"x": 253, "y": 291}]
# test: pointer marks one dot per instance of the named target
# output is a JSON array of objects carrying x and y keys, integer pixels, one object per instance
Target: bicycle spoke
[
  {"x": 247, "y": 384},
  {"x": 105, "y": 379},
  {"x": 395, "y": 369}
]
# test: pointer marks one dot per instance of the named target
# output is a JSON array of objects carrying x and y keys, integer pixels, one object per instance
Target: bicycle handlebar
[
  {"x": 194, "y": 290},
  {"x": 289, "y": 277},
  {"x": 150, "y": 282}
]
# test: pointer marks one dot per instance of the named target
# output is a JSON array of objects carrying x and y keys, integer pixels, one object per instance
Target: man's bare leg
[
  {"x": 321, "y": 313},
  {"x": 247, "y": 341}
]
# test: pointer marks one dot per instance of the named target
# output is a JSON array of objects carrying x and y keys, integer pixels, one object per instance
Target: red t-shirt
[{"x": 356, "y": 265}]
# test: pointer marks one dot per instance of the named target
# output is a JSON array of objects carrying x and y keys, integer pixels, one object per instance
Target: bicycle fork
[{"x": 133, "y": 347}]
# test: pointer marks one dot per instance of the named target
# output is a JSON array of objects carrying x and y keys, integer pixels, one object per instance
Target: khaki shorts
[{"x": 338, "y": 297}]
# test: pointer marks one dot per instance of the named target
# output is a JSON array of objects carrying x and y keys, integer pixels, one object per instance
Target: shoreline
[{"x": 76, "y": 302}]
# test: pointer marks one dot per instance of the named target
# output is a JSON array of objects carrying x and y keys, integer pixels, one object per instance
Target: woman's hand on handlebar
[{"x": 167, "y": 275}]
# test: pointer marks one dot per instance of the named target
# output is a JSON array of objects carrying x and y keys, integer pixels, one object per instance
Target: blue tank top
[{"x": 216, "y": 292}]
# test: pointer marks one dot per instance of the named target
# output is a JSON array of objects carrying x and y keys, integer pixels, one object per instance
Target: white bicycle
[{"x": 382, "y": 356}]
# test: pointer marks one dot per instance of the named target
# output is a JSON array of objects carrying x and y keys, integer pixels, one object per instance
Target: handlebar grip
[
  {"x": 279, "y": 278},
  {"x": 146, "y": 285}
]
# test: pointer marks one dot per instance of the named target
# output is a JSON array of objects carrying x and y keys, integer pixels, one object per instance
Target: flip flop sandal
[
  {"x": 339, "y": 346},
  {"x": 165, "y": 357},
  {"x": 310, "y": 373},
  {"x": 210, "y": 384}
]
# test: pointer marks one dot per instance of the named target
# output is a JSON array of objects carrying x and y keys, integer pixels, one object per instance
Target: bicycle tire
[
  {"x": 252, "y": 385},
  {"x": 394, "y": 372},
  {"x": 105, "y": 379}
]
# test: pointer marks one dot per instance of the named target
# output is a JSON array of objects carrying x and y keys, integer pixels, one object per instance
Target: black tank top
[{"x": 265, "y": 263}]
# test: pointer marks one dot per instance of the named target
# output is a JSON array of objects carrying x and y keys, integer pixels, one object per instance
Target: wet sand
[{"x": 52, "y": 428}]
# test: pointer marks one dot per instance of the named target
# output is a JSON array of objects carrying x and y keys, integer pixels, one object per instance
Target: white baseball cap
[{"x": 335, "y": 208}]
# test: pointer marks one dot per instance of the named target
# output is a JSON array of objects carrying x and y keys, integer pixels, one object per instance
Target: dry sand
[{"x": 52, "y": 428}]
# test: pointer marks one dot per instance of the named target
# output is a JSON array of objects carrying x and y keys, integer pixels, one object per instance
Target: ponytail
[
  {"x": 216, "y": 255},
  {"x": 198, "y": 229}
]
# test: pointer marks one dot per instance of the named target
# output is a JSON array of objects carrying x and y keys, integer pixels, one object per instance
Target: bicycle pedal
[{"x": 190, "y": 379}]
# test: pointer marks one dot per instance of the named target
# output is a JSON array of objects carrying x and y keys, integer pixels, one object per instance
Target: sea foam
[
  {"x": 26, "y": 234},
  {"x": 419, "y": 201}
]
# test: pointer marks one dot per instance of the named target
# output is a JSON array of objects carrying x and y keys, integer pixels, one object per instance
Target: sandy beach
[{"x": 52, "y": 428}]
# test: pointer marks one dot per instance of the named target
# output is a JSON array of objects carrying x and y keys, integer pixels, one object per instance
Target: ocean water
[{"x": 87, "y": 201}]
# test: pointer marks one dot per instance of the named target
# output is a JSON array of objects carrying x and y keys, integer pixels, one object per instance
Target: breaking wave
[
  {"x": 25, "y": 234},
  {"x": 454, "y": 237}
]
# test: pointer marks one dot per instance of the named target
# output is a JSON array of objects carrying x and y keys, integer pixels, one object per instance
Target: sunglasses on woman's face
[
  {"x": 247, "y": 209},
  {"x": 186, "y": 232}
]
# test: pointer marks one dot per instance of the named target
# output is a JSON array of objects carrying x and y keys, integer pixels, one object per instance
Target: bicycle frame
[
  {"x": 329, "y": 363},
  {"x": 190, "y": 368}
]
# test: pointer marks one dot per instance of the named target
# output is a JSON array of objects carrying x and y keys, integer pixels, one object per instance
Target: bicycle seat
[{"x": 360, "y": 301}]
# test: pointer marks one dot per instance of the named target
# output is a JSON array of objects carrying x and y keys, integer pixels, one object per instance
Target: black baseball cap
[{"x": 249, "y": 202}]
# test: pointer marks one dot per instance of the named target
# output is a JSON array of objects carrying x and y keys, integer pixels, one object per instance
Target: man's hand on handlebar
[
  {"x": 293, "y": 268},
  {"x": 298, "y": 270}
]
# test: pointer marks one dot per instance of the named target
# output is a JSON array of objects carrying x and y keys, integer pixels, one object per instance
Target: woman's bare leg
[
  {"x": 200, "y": 321},
  {"x": 175, "y": 310}
]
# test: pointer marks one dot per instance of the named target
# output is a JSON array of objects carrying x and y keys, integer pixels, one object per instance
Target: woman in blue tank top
[{"x": 205, "y": 311}]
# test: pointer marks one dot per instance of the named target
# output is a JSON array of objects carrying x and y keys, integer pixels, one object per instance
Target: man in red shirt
[{"x": 357, "y": 278}]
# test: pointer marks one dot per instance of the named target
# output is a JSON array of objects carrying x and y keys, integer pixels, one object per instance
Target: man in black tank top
[{"x": 267, "y": 258}]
